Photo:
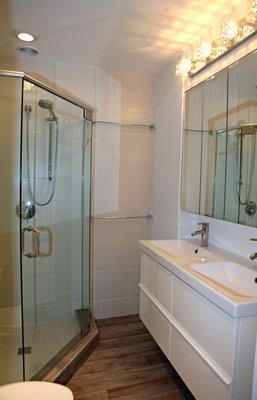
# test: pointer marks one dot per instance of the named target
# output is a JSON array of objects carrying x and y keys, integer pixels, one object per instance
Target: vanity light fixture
[
  {"x": 25, "y": 36},
  {"x": 231, "y": 33}
]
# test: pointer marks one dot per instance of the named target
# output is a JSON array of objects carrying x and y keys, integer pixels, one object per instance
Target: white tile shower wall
[
  {"x": 122, "y": 173},
  {"x": 168, "y": 104}
]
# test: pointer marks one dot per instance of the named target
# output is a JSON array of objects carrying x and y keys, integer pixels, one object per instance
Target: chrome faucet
[
  {"x": 254, "y": 255},
  {"x": 204, "y": 232}
]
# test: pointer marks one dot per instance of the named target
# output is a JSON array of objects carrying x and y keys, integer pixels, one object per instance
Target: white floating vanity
[{"x": 201, "y": 308}]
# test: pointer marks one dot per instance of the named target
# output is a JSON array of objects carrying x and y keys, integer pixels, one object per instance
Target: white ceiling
[{"x": 135, "y": 35}]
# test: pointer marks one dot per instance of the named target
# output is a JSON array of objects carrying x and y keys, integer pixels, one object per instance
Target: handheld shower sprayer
[{"x": 52, "y": 159}]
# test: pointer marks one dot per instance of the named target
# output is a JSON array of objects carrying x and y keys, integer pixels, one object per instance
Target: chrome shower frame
[
  {"x": 44, "y": 84},
  {"x": 88, "y": 113}
]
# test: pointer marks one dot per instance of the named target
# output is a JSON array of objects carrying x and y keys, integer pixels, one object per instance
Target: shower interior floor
[{"x": 45, "y": 340}]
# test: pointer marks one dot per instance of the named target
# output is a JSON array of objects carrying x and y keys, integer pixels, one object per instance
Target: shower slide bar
[
  {"x": 222, "y": 130},
  {"x": 212, "y": 132},
  {"x": 148, "y": 217},
  {"x": 150, "y": 127},
  {"x": 232, "y": 128}
]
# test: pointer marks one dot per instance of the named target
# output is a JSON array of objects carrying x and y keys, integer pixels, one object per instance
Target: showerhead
[{"x": 47, "y": 105}]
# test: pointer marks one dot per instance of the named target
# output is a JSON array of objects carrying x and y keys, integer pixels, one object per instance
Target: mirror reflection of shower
[
  {"x": 243, "y": 156},
  {"x": 246, "y": 130},
  {"x": 53, "y": 138}
]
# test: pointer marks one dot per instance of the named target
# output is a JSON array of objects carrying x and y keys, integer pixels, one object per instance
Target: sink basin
[
  {"x": 182, "y": 248},
  {"x": 234, "y": 276}
]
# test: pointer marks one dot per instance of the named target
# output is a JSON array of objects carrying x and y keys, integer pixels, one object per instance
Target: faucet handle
[
  {"x": 253, "y": 239},
  {"x": 205, "y": 224}
]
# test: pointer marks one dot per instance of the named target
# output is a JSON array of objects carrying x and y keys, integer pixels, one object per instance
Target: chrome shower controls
[
  {"x": 250, "y": 208},
  {"x": 26, "y": 209},
  {"x": 27, "y": 108}
]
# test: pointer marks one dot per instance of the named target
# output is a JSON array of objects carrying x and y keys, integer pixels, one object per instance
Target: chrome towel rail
[
  {"x": 150, "y": 126},
  {"x": 113, "y": 217}
]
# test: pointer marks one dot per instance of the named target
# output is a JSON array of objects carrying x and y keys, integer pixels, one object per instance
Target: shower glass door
[{"x": 55, "y": 188}]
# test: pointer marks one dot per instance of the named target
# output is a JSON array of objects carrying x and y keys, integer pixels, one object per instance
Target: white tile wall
[{"x": 122, "y": 175}]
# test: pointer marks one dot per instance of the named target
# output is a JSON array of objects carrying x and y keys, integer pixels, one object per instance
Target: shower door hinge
[{"x": 24, "y": 350}]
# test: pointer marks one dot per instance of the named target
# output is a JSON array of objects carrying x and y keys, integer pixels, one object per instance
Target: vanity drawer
[
  {"x": 157, "y": 280},
  {"x": 148, "y": 273},
  {"x": 155, "y": 321},
  {"x": 209, "y": 326},
  {"x": 203, "y": 382}
]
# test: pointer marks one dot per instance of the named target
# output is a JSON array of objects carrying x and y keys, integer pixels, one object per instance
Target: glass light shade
[
  {"x": 246, "y": 31},
  {"x": 183, "y": 66},
  {"x": 254, "y": 6},
  {"x": 229, "y": 30},
  {"x": 202, "y": 51}
]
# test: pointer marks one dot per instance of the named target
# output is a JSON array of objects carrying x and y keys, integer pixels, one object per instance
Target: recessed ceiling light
[{"x": 25, "y": 36}]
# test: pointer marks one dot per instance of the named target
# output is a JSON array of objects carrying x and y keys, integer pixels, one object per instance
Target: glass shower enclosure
[{"x": 45, "y": 145}]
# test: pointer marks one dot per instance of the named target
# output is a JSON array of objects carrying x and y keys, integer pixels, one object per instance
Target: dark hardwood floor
[{"x": 127, "y": 365}]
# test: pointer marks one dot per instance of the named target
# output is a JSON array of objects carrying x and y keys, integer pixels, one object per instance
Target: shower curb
[{"x": 69, "y": 364}]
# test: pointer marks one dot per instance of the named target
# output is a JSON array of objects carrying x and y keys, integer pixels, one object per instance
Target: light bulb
[{"x": 25, "y": 36}]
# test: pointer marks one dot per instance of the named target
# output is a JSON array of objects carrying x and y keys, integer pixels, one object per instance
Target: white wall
[
  {"x": 122, "y": 173},
  {"x": 167, "y": 155}
]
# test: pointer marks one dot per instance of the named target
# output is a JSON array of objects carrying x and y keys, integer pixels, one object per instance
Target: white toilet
[{"x": 35, "y": 390}]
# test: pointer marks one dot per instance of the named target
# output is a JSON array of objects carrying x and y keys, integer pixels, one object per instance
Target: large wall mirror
[{"x": 219, "y": 177}]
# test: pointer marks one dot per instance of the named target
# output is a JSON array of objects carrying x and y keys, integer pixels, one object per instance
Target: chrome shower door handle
[{"x": 36, "y": 233}]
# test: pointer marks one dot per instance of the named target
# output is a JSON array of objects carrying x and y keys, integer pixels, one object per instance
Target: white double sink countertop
[{"x": 197, "y": 259}]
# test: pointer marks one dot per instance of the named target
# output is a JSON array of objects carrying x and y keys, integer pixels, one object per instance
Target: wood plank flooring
[{"x": 127, "y": 365}]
